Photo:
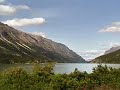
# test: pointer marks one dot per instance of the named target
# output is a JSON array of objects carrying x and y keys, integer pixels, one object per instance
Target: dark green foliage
[{"x": 42, "y": 78}]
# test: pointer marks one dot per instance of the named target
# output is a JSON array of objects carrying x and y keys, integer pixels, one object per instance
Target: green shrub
[{"x": 43, "y": 78}]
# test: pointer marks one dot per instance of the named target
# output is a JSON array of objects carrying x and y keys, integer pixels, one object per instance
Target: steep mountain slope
[
  {"x": 113, "y": 57},
  {"x": 17, "y": 46},
  {"x": 112, "y": 50}
]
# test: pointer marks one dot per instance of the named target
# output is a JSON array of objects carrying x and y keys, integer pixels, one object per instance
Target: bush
[{"x": 42, "y": 78}]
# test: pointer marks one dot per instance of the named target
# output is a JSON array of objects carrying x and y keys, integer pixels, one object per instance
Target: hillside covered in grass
[{"x": 113, "y": 57}]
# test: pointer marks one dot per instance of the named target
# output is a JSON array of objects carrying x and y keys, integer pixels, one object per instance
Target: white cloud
[
  {"x": 6, "y": 10},
  {"x": 24, "y": 22},
  {"x": 111, "y": 29},
  {"x": 22, "y": 7},
  {"x": 11, "y": 9},
  {"x": 105, "y": 45},
  {"x": 109, "y": 44},
  {"x": 115, "y": 27},
  {"x": 1, "y": 1},
  {"x": 91, "y": 54},
  {"x": 39, "y": 34}
]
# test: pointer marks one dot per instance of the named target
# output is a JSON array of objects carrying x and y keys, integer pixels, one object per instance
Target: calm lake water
[{"x": 61, "y": 67}]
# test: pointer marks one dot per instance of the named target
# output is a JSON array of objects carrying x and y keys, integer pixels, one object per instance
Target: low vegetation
[{"x": 42, "y": 78}]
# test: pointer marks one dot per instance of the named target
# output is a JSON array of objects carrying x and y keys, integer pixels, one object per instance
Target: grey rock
[{"x": 17, "y": 45}]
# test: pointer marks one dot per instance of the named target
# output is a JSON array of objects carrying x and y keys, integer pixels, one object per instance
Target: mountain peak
[
  {"x": 1, "y": 23},
  {"x": 115, "y": 48},
  {"x": 4, "y": 25},
  {"x": 111, "y": 56},
  {"x": 18, "y": 46}
]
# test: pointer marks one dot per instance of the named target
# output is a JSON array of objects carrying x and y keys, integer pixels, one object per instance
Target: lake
[{"x": 61, "y": 67}]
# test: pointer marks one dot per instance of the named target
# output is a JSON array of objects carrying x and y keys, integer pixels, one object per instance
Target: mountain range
[
  {"x": 110, "y": 56},
  {"x": 20, "y": 47},
  {"x": 113, "y": 49}
]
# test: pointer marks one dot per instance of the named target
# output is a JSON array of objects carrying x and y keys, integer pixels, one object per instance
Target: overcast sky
[{"x": 89, "y": 27}]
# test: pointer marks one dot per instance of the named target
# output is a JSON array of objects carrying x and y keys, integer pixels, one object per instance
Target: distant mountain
[
  {"x": 110, "y": 57},
  {"x": 17, "y": 46},
  {"x": 112, "y": 50}
]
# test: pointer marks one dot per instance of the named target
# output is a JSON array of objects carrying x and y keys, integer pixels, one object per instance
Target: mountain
[
  {"x": 112, "y": 50},
  {"x": 20, "y": 47},
  {"x": 113, "y": 57}
]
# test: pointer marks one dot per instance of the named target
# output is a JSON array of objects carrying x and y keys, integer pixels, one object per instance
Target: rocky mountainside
[
  {"x": 113, "y": 49},
  {"x": 113, "y": 57},
  {"x": 17, "y": 46}
]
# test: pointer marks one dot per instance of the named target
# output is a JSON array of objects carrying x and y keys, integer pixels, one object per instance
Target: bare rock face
[
  {"x": 17, "y": 46},
  {"x": 113, "y": 49},
  {"x": 111, "y": 56}
]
